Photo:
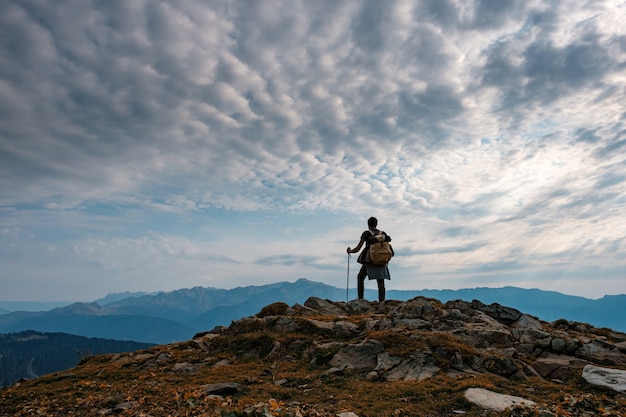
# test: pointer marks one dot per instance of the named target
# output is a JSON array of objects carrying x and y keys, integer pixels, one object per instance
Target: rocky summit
[{"x": 418, "y": 357}]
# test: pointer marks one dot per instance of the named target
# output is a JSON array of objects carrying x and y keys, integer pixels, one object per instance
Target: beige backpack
[{"x": 380, "y": 252}]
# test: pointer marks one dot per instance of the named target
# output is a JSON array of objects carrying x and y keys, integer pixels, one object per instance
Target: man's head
[{"x": 372, "y": 222}]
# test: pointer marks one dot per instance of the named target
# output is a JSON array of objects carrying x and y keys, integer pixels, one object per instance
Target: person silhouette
[{"x": 378, "y": 272}]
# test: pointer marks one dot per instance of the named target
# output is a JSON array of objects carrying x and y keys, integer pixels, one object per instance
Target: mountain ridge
[{"x": 181, "y": 313}]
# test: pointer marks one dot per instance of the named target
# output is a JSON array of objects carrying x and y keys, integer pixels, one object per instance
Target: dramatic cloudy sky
[{"x": 155, "y": 145}]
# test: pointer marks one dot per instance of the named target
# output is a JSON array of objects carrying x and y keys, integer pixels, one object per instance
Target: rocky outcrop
[{"x": 419, "y": 338}]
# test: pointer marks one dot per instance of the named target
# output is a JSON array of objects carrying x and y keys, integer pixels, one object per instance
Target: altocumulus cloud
[{"x": 153, "y": 145}]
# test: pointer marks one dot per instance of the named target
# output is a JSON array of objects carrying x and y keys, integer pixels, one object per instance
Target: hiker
[{"x": 378, "y": 272}]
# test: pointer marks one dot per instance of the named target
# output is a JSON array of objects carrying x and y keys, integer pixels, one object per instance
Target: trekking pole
[{"x": 348, "y": 279}]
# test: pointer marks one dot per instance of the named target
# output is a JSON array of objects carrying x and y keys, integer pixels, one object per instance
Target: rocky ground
[{"x": 414, "y": 358}]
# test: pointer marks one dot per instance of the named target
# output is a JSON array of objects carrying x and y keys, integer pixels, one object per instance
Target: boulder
[
  {"x": 286, "y": 324},
  {"x": 344, "y": 328},
  {"x": 484, "y": 331},
  {"x": 187, "y": 368},
  {"x": 360, "y": 306},
  {"x": 360, "y": 356},
  {"x": 556, "y": 366},
  {"x": 325, "y": 307},
  {"x": 506, "y": 315},
  {"x": 493, "y": 401},
  {"x": 527, "y": 322},
  {"x": 223, "y": 388},
  {"x": 601, "y": 352},
  {"x": 417, "y": 367},
  {"x": 606, "y": 377},
  {"x": 418, "y": 307}
]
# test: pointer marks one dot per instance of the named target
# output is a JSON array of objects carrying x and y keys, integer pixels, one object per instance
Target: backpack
[{"x": 380, "y": 251}]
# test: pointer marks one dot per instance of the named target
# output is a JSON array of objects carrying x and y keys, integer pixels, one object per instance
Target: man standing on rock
[{"x": 378, "y": 272}]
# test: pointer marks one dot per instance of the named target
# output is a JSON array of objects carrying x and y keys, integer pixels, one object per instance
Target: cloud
[{"x": 486, "y": 135}]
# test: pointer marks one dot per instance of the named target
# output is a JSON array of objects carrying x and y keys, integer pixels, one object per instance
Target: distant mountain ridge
[
  {"x": 110, "y": 298},
  {"x": 167, "y": 317},
  {"x": 9, "y": 306}
]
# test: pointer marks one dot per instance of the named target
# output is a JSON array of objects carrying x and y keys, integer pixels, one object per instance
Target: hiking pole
[{"x": 348, "y": 279}]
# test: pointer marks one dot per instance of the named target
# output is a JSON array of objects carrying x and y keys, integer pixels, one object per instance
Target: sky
[{"x": 157, "y": 145}]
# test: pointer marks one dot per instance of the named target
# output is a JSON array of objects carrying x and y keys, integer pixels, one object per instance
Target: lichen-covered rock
[{"x": 607, "y": 377}]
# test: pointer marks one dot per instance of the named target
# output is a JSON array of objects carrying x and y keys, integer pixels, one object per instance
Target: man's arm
[{"x": 357, "y": 248}]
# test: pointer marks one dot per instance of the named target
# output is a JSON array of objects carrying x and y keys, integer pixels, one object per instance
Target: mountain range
[{"x": 167, "y": 317}]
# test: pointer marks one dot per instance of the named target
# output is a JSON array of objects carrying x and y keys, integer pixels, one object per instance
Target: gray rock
[
  {"x": 599, "y": 351},
  {"x": 572, "y": 344},
  {"x": 223, "y": 388},
  {"x": 417, "y": 367},
  {"x": 455, "y": 314},
  {"x": 606, "y": 377},
  {"x": 360, "y": 306},
  {"x": 527, "y": 322},
  {"x": 592, "y": 349},
  {"x": 223, "y": 362},
  {"x": 498, "y": 365},
  {"x": 336, "y": 371},
  {"x": 371, "y": 324},
  {"x": 556, "y": 366},
  {"x": 372, "y": 376},
  {"x": 506, "y": 315},
  {"x": 345, "y": 328},
  {"x": 322, "y": 325},
  {"x": 557, "y": 345},
  {"x": 418, "y": 307},
  {"x": 187, "y": 368},
  {"x": 385, "y": 361},
  {"x": 543, "y": 343},
  {"x": 325, "y": 307},
  {"x": 286, "y": 324},
  {"x": 413, "y": 324},
  {"x": 412, "y": 370},
  {"x": 493, "y": 401},
  {"x": 484, "y": 331},
  {"x": 358, "y": 356}
]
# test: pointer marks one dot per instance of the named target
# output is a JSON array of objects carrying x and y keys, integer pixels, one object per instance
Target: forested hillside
[{"x": 31, "y": 354}]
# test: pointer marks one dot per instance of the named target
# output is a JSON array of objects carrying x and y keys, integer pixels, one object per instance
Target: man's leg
[
  {"x": 360, "y": 279},
  {"x": 381, "y": 289}
]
